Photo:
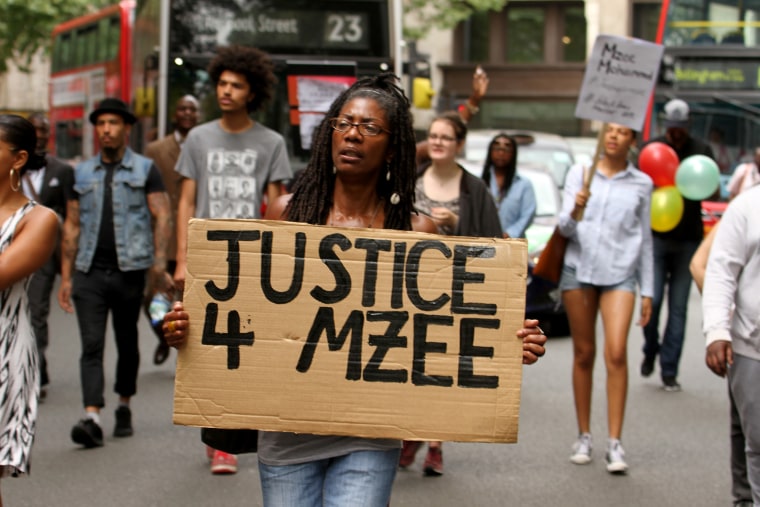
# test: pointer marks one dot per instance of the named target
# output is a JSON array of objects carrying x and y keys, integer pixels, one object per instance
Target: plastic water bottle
[{"x": 159, "y": 306}]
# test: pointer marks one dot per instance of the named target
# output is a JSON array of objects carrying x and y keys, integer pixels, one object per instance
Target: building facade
[
  {"x": 534, "y": 52},
  {"x": 23, "y": 93}
]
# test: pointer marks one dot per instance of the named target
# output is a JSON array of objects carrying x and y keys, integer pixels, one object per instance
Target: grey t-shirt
[
  {"x": 231, "y": 170},
  {"x": 291, "y": 448}
]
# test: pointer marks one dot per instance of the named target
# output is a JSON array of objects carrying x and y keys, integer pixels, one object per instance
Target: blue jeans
[
  {"x": 360, "y": 478},
  {"x": 671, "y": 267},
  {"x": 95, "y": 294}
]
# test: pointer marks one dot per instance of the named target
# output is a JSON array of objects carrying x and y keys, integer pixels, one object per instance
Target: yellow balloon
[{"x": 667, "y": 208}]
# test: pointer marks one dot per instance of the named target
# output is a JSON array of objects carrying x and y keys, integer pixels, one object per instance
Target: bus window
[
  {"x": 114, "y": 39},
  {"x": 88, "y": 42}
]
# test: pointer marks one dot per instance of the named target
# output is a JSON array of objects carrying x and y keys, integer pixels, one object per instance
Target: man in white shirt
[{"x": 733, "y": 339}]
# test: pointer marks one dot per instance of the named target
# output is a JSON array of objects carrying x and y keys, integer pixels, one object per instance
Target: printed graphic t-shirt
[{"x": 231, "y": 170}]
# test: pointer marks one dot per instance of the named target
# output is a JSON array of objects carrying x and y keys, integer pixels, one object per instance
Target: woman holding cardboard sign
[
  {"x": 361, "y": 174},
  {"x": 608, "y": 253}
]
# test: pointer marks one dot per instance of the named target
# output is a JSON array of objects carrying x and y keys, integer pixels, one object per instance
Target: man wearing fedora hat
[
  {"x": 116, "y": 230},
  {"x": 673, "y": 251}
]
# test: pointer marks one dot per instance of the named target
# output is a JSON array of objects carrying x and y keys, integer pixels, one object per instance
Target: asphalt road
[{"x": 677, "y": 443}]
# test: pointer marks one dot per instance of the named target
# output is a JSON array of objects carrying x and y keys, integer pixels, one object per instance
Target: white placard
[
  {"x": 620, "y": 75},
  {"x": 308, "y": 124},
  {"x": 317, "y": 95}
]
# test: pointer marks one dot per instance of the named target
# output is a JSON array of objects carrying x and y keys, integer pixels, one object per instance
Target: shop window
[
  {"x": 574, "y": 38},
  {"x": 646, "y": 17},
  {"x": 525, "y": 34},
  {"x": 477, "y": 38}
]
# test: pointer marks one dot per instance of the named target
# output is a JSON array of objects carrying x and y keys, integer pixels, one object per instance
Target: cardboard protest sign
[
  {"x": 362, "y": 332},
  {"x": 620, "y": 75}
]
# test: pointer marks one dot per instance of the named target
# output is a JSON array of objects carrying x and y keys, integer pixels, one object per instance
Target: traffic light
[{"x": 418, "y": 69}]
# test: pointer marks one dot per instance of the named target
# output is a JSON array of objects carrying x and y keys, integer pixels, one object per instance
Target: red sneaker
[
  {"x": 408, "y": 451},
  {"x": 433, "y": 462},
  {"x": 223, "y": 463}
]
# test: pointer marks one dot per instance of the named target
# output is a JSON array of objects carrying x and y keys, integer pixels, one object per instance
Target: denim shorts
[{"x": 568, "y": 281}]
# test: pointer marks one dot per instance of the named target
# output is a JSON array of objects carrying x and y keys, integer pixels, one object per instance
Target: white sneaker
[
  {"x": 616, "y": 457},
  {"x": 582, "y": 450}
]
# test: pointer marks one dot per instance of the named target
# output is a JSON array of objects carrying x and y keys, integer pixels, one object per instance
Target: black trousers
[{"x": 95, "y": 294}]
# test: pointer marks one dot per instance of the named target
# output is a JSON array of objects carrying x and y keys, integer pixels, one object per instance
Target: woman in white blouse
[{"x": 609, "y": 253}]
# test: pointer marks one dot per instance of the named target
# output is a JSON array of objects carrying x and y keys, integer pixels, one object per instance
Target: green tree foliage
[
  {"x": 422, "y": 15},
  {"x": 26, "y": 25}
]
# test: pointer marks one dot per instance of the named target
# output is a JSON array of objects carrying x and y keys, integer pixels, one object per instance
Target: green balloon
[
  {"x": 666, "y": 208},
  {"x": 697, "y": 177}
]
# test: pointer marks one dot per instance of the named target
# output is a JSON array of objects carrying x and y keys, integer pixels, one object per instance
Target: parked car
[
  {"x": 548, "y": 150},
  {"x": 543, "y": 299},
  {"x": 583, "y": 149}
]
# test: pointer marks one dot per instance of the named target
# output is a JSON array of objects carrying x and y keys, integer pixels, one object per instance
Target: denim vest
[{"x": 131, "y": 216}]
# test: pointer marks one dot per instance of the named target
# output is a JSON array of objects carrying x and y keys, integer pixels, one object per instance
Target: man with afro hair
[{"x": 219, "y": 156}]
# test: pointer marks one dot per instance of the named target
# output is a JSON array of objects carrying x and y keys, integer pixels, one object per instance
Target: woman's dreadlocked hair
[{"x": 313, "y": 192}]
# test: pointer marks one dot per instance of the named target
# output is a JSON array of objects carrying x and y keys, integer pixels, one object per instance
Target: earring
[
  {"x": 18, "y": 180},
  {"x": 335, "y": 170},
  {"x": 395, "y": 198},
  {"x": 388, "y": 169}
]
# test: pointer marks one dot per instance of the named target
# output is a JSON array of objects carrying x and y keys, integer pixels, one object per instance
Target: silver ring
[{"x": 540, "y": 330}]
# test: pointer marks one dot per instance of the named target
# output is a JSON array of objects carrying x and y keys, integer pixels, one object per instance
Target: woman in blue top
[
  {"x": 608, "y": 252},
  {"x": 514, "y": 195}
]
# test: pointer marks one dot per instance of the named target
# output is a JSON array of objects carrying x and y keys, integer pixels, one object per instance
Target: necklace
[{"x": 334, "y": 213}]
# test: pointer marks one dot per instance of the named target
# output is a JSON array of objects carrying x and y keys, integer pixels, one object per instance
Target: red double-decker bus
[{"x": 91, "y": 60}]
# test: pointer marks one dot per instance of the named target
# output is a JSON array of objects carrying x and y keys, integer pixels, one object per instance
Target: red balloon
[{"x": 660, "y": 162}]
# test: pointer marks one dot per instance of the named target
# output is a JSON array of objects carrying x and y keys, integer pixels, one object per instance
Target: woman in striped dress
[{"x": 28, "y": 233}]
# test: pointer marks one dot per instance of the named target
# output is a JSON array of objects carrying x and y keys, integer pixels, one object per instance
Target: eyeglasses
[
  {"x": 443, "y": 139},
  {"x": 365, "y": 129}
]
